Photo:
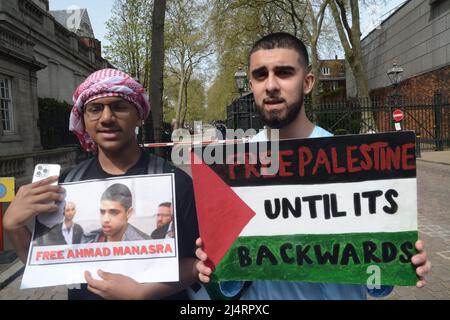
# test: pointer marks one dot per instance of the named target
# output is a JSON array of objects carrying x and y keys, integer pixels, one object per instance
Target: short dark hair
[
  {"x": 120, "y": 193},
  {"x": 281, "y": 40},
  {"x": 165, "y": 204}
]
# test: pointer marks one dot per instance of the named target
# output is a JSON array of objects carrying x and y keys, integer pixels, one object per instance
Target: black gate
[
  {"x": 428, "y": 118},
  {"x": 242, "y": 114}
]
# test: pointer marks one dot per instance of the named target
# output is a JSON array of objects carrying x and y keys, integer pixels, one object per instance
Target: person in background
[
  {"x": 165, "y": 228},
  {"x": 66, "y": 232}
]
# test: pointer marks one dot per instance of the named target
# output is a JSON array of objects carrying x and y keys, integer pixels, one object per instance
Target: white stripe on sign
[{"x": 338, "y": 202}]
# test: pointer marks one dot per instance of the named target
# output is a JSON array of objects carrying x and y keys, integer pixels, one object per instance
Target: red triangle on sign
[{"x": 221, "y": 212}]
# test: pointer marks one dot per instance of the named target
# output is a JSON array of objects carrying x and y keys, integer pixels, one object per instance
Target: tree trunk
[
  {"x": 315, "y": 94},
  {"x": 185, "y": 102},
  {"x": 353, "y": 55},
  {"x": 179, "y": 104},
  {"x": 157, "y": 68}
]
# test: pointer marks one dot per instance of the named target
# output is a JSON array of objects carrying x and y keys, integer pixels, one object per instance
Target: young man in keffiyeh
[{"x": 108, "y": 107}]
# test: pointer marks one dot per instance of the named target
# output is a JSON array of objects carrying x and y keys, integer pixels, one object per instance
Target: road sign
[
  {"x": 6, "y": 189},
  {"x": 6, "y": 195},
  {"x": 398, "y": 115}
]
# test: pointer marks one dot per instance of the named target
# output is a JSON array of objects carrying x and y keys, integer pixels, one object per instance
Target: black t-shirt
[{"x": 187, "y": 231}]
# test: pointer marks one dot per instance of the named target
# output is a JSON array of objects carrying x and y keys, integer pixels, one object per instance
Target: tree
[
  {"x": 196, "y": 99},
  {"x": 157, "y": 71},
  {"x": 350, "y": 36},
  {"x": 129, "y": 34},
  {"x": 187, "y": 45},
  {"x": 233, "y": 27}
]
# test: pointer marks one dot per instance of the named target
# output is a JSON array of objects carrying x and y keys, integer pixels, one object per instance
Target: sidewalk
[
  {"x": 442, "y": 157},
  {"x": 9, "y": 272}
]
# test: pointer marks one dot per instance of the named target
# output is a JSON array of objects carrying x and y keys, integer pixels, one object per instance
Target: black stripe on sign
[{"x": 349, "y": 158}]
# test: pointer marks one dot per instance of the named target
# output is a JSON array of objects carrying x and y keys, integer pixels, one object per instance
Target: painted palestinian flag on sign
[{"x": 332, "y": 210}]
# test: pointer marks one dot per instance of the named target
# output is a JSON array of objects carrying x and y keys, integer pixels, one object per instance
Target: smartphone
[
  {"x": 41, "y": 172},
  {"x": 45, "y": 170}
]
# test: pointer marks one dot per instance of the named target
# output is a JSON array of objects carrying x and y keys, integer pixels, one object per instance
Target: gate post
[
  {"x": 418, "y": 151},
  {"x": 437, "y": 102}
]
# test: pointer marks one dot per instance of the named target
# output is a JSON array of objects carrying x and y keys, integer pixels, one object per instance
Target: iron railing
[{"x": 429, "y": 118}]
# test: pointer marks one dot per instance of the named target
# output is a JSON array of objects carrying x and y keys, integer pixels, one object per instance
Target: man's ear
[
  {"x": 308, "y": 83},
  {"x": 129, "y": 213},
  {"x": 250, "y": 84}
]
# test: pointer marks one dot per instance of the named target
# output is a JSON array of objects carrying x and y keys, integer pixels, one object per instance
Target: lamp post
[
  {"x": 395, "y": 76},
  {"x": 241, "y": 80}
]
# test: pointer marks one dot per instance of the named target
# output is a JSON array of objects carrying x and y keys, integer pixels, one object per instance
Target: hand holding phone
[
  {"x": 43, "y": 171},
  {"x": 30, "y": 200}
]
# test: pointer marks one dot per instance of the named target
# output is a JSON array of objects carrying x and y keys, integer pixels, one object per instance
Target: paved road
[
  {"x": 434, "y": 229},
  {"x": 12, "y": 292},
  {"x": 433, "y": 188}
]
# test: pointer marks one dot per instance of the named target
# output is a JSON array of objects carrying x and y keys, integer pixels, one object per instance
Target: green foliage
[
  {"x": 188, "y": 47},
  {"x": 54, "y": 123},
  {"x": 196, "y": 99},
  {"x": 129, "y": 32},
  {"x": 234, "y": 26}
]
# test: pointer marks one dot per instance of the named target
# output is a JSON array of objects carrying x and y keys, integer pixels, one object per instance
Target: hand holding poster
[
  {"x": 118, "y": 225},
  {"x": 335, "y": 209}
]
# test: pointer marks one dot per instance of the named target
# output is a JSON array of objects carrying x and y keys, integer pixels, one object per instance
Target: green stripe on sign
[{"x": 337, "y": 258}]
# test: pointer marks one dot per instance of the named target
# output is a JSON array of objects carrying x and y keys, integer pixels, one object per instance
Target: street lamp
[
  {"x": 241, "y": 80},
  {"x": 395, "y": 74}
]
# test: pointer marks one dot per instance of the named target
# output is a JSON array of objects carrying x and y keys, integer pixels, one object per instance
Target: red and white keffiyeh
[{"x": 100, "y": 84}]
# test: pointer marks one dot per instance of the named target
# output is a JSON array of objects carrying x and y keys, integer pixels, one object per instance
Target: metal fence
[
  {"x": 242, "y": 114},
  {"x": 429, "y": 118}
]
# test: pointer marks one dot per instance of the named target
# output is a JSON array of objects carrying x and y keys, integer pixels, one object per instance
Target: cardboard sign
[
  {"x": 335, "y": 209},
  {"x": 114, "y": 224}
]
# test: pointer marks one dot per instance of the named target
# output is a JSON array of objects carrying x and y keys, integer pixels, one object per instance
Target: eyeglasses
[{"x": 120, "y": 109}]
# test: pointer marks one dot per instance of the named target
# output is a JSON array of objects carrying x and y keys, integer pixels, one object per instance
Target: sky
[
  {"x": 100, "y": 12},
  {"x": 375, "y": 14}
]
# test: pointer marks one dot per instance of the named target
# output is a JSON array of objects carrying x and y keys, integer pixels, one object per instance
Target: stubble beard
[{"x": 274, "y": 120}]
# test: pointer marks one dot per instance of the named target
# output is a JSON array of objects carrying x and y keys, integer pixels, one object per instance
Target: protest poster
[
  {"x": 115, "y": 228},
  {"x": 334, "y": 210}
]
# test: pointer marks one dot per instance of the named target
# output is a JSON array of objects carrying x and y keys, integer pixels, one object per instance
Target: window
[
  {"x": 325, "y": 71},
  {"x": 6, "y": 112}
]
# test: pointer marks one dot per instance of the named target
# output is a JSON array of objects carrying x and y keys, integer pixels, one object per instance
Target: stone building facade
[{"x": 39, "y": 57}]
